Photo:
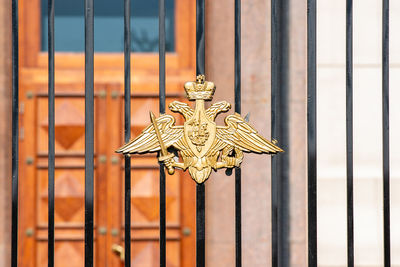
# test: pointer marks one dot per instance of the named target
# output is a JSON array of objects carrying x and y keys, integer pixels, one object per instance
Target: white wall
[{"x": 368, "y": 204}]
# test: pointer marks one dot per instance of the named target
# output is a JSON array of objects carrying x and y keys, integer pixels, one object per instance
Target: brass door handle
[{"x": 119, "y": 250}]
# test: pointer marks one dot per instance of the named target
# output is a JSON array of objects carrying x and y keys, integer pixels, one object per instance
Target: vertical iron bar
[
  {"x": 163, "y": 242},
  {"x": 51, "y": 134},
  {"x": 312, "y": 131},
  {"x": 275, "y": 119},
  {"x": 15, "y": 136},
  {"x": 385, "y": 132},
  {"x": 127, "y": 95},
  {"x": 280, "y": 185},
  {"x": 349, "y": 132},
  {"x": 89, "y": 130},
  {"x": 200, "y": 188},
  {"x": 200, "y": 225},
  {"x": 238, "y": 171},
  {"x": 161, "y": 26},
  {"x": 200, "y": 37}
]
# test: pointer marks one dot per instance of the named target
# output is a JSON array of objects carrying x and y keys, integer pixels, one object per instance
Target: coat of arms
[{"x": 202, "y": 145}]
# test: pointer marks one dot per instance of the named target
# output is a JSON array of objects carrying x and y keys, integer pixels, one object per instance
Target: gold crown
[{"x": 201, "y": 89}]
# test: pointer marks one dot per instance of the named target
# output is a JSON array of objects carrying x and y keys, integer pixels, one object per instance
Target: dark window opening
[{"x": 109, "y": 26}]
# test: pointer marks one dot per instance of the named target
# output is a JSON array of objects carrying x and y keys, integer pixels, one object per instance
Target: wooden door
[
  {"x": 69, "y": 180},
  {"x": 145, "y": 192}
]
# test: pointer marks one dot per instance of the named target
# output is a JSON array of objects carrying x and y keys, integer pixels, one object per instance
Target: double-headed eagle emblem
[{"x": 202, "y": 145}]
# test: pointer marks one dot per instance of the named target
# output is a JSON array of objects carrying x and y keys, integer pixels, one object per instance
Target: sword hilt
[{"x": 171, "y": 170}]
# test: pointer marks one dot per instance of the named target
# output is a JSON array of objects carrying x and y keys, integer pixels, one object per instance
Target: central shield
[{"x": 200, "y": 134}]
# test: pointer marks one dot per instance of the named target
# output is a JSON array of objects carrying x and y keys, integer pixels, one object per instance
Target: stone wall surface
[
  {"x": 256, "y": 178},
  {"x": 220, "y": 190}
]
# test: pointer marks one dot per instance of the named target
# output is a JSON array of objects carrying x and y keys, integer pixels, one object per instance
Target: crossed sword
[{"x": 164, "y": 153}]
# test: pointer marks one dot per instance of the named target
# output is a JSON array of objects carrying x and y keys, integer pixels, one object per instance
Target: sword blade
[{"x": 164, "y": 151}]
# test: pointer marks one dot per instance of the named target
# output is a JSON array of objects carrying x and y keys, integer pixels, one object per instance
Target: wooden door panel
[
  {"x": 69, "y": 216},
  {"x": 69, "y": 180},
  {"x": 69, "y": 197},
  {"x": 147, "y": 254},
  {"x": 69, "y": 125},
  {"x": 145, "y": 196},
  {"x": 67, "y": 253}
]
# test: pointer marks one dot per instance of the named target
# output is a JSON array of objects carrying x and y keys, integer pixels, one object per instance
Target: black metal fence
[{"x": 278, "y": 67}]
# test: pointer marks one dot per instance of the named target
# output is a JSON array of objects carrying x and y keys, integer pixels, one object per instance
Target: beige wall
[
  {"x": 5, "y": 133},
  {"x": 220, "y": 189},
  {"x": 368, "y": 191},
  {"x": 256, "y": 180}
]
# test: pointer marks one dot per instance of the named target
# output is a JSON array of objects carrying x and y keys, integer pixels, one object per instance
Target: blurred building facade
[{"x": 256, "y": 71}]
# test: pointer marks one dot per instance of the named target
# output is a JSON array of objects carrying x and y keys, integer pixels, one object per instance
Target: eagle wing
[
  {"x": 238, "y": 133},
  {"x": 182, "y": 108},
  {"x": 147, "y": 141},
  {"x": 217, "y": 108}
]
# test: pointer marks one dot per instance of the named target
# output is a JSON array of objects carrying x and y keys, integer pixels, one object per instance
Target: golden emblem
[{"x": 201, "y": 143}]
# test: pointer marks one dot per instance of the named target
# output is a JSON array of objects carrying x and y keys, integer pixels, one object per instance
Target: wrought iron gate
[{"x": 278, "y": 68}]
